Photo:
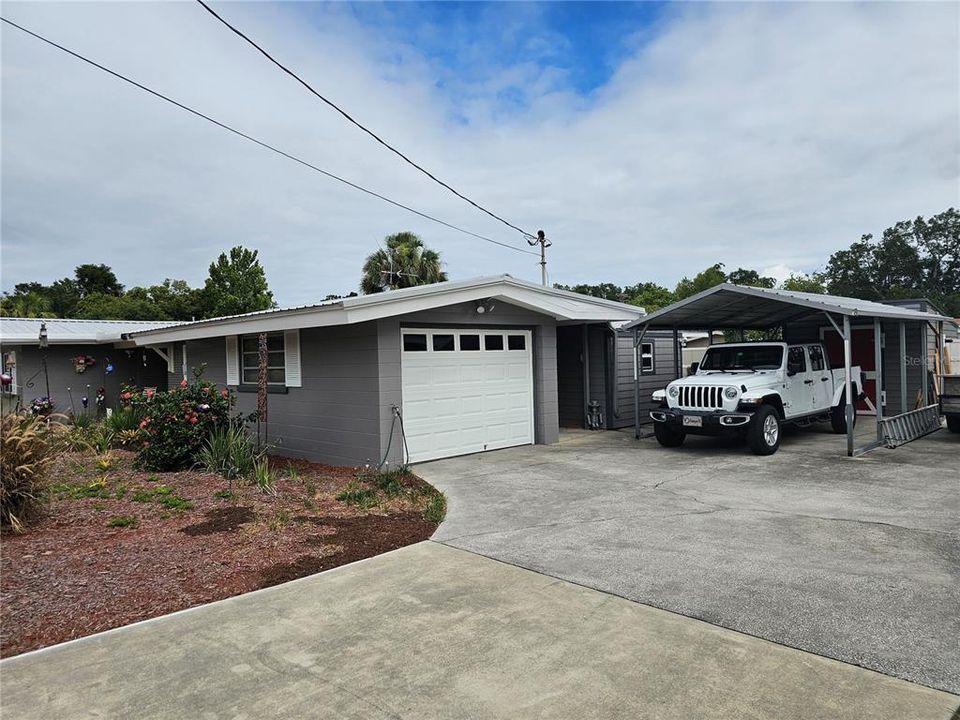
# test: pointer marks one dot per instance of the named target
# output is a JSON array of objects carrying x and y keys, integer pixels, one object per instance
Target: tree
[
  {"x": 805, "y": 283},
  {"x": 237, "y": 284},
  {"x": 101, "y": 306},
  {"x": 26, "y": 303},
  {"x": 751, "y": 278},
  {"x": 713, "y": 275},
  {"x": 174, "y": 299},
  {"x": 404, "y": 262},
  {"x": 649, "y": 296},
  {"x": 92, "y": 279},
  {"x": 919, "y": 258}
]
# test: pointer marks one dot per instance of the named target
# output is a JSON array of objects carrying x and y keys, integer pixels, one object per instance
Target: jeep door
[
  {"x": 798, "y": 394},
  {"x": 822, "y": 378}
]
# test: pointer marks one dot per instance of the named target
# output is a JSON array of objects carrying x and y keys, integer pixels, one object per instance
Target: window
[
  {"x": 250, "y": 359},
  {"x": 443, "y": 343},
  {"x": 796, "y": 360},
  {"x": 469, "y": 342},
  {"x": 415, "y": 343},
  {"x": 493, "y": 342},
  {"x": 816, "y": 357},
  {"x": 742, "y": 357},
  {"x": 646, "y": 357},
  {"x": 516, "y": 342}
]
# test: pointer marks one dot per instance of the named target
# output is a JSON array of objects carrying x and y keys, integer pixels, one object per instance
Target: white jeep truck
[{"x": 753, "y": 389}]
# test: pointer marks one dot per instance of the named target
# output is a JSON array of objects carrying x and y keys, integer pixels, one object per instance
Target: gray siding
[
  {"x": 663, "y": 372},
  {"x": 137, "y": 366},
  {"x": 335, "y": 416}
]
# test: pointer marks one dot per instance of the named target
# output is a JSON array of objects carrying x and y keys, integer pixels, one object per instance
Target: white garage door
[{"x": 466, "y": 391}]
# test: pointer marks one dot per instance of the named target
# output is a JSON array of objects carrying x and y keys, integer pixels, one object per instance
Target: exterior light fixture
[{"x": 44, "y": 341}]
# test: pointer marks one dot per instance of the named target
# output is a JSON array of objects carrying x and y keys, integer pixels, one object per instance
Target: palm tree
[{"x": 403, "y": 262}]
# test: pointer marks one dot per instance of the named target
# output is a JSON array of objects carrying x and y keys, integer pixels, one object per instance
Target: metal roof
[
  {"x": 26, "y": 331},
  {"x": 562, "y": 305},
  {"x": 737, "y": 306}
]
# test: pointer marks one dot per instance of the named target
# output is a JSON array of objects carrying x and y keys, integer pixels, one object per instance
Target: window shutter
[
  {"x": 233, "y": 361},
  {"x": 291, "y": 355}
]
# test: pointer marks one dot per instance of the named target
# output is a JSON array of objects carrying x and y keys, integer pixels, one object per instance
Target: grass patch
[
  {"x": 93, "y": 489},
  {"x": 389, "y": 482},
  {"x": 436, "y": 506},
  {"x": 359, "y": 496},
  {"x": 175, "y": 502},
  {"x": 223, "y": 494},
  {"x": 143, "y": 496},
  {"x": 123, "y": 521}
]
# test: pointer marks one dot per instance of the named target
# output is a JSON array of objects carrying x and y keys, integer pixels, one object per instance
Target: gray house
[
  {"x": 108, "y": 361},
  {"x": 426, "y": 372}
]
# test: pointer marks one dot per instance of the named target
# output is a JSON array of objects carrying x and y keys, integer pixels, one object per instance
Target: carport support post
[
  {"x": 586, "y": 373},
  {"x": 848, "y": 385},
  {"x": 903, "y": 366},
  {"x": 878, "y": 382},
  {"x": 676, "y": 352},
  {"x": 637, "y": 367}
]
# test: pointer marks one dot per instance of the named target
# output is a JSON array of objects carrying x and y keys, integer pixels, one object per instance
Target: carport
[{"x": 901, "y": 389}]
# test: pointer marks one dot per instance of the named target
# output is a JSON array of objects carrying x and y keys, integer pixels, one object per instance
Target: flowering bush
[
  {"x": 41, "y": 406},
  {"x": 176, "y": 423}
]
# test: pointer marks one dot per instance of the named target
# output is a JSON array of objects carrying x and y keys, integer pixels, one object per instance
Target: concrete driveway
[
  {"x": 853, "y": 559},
  {"x": 433, "y": 632}
]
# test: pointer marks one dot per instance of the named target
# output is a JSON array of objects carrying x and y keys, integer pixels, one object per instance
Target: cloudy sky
[{"x": 648, "y": 140}]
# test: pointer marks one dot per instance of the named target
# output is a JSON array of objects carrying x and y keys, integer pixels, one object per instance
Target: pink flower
[
  {"x": 225, "y": 392},
  {"x": 183, "y": 383},
  {"x": 149, "y": 393}
]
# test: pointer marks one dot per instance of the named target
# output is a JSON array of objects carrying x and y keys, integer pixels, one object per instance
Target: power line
[
  {"x": 362, "y": 127},
  {"x": 254, "y": 140}
]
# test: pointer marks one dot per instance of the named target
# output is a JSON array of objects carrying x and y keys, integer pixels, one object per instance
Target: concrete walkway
[
  {"x": 854, "y": 559},
  {"x": 434, "y": 632}
]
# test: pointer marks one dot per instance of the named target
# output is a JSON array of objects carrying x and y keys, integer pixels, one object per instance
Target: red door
[{"x": 864, "y": 355}]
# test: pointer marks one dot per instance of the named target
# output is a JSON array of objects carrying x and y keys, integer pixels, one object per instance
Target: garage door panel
[{"x": 465, "y": 401}]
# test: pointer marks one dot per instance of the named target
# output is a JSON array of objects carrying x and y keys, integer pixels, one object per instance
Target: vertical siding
[
  {"x": 597, "y": 339},
  {"x": 892, "y": 353},
  {"x": 663, "y": 372},
  {"x": 334, "y": 417},
  {"x": 138, "y": 366}
]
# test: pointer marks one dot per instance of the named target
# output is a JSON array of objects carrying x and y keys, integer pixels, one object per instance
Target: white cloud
[{"x": 758, "y": 135}]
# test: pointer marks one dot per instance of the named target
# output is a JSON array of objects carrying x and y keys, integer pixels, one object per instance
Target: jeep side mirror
[
  {"x": 694, "y": 367},
  {"x": 791, "y": 373}
]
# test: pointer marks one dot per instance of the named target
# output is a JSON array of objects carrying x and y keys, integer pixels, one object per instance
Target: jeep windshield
[{"x": 741, "y": 358}]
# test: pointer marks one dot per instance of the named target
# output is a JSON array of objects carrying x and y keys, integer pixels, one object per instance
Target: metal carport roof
[{"x": 739, "y": 306}]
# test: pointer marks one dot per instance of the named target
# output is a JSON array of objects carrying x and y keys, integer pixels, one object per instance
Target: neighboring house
[
  {"x": 115, "y": 361},
  {"x": 470, "y": 366},
  {"x": 695, "y": 344}
]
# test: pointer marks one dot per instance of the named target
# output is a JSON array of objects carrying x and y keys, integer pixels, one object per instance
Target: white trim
[{"x": 561, "y": 305}]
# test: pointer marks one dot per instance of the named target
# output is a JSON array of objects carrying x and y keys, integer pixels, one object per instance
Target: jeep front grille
[{"x": 701, "y": 397}]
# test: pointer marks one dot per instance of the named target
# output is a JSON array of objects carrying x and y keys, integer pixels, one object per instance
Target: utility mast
[{"x": 542, "y": 241}]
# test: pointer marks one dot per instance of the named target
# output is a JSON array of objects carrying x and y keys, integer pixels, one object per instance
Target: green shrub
[
  {"x": 100, "y": 438},
  {"x": 228, "y": 451},
  {"x": 176, "y": 423},
  {"x": 263, "y": 475},
  {"x": 105, "y": 462},
  {"x": 389, "y": 482},
  {"x": 126, "y": 418},
  {"x": 124, "y": 521},
  {"x": 83, "y": 422},
  {"x": 27, "y": 447},
  {"x": 223, "y": 494}
]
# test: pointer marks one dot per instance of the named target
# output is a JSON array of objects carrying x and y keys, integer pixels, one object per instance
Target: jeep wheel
[
  {"x": 763, "y": 435},
  {"x": 667, "y": 436},
  {"x": 838, "y": 419},
  {"x": 953, "y": 423}
]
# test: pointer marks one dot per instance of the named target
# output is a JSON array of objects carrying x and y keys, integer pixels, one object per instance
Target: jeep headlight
[
  {"x": 730, "y": 393},
  {"x": 673, "y": 391}
]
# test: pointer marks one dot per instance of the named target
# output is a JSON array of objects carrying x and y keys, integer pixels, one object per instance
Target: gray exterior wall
[
  {"x": 129, "y": 368},
  {"x": 335, "y": 416},
  {"x": 662, "y": 375},
  {"x": 343, "y": 413}
]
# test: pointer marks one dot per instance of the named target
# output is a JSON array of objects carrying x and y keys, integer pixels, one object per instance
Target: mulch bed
[{"x": 71, "y": 574}]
